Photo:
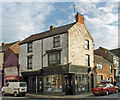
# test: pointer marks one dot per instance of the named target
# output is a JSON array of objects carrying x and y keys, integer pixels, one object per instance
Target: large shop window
[
  {"x": 53, "y": 83},
  {"x": 54, "y": 58},
  {"x": 81, "y": 82},
  {"x": 33, "y": 82}
]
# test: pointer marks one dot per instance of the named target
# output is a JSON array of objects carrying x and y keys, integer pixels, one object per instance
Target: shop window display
[
  {"x": 81, "y": 82},
  {"x": 53, "y": 83}
]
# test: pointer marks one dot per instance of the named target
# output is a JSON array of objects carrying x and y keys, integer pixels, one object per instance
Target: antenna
[{"x": 74, "y": 9}]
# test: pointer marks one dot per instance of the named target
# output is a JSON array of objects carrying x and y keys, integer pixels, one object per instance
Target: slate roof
[
  {"x": 106, "y": 50},
  {"x": 54, "y": 31},
  {"x": 100, "y": 59},
  {"x": 116, "y": 51},
  {"x": 14, "y": 48}
]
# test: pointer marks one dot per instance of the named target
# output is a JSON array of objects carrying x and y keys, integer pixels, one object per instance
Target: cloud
[
  {"x": 102, "y": 22},
  {"x": 22, "y": 19}
]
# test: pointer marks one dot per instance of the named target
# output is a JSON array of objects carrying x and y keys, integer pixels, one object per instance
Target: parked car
[
  {"x": 104, "y": 88},
  {"x": 15, "y": 88}
]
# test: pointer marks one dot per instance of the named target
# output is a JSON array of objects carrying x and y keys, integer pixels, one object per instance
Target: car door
[
  {"x": 6, "y": 88},
  {"x": 108, "y": 87},
  {"x": 112, "y": 88}
]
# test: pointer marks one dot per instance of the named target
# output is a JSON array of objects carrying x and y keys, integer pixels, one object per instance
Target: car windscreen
[
  {"x": 22, "y": 84},
  {"x": 100, "y": 85}
]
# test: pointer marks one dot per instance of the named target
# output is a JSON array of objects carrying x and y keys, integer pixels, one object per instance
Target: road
[{"x": 115, "y": 96}]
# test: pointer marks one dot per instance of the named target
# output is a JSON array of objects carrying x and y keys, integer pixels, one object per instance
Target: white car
[{"x": 15, "y": 88}]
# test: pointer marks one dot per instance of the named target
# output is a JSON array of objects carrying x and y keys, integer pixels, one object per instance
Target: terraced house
[
  {"x": 58, "y": 61},
  {"x": 113, "y": 58}
]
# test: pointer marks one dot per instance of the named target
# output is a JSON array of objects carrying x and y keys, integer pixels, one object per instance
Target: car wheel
[
  {"x": 116, "y": 91},
  {"x": 15, "y": 94},
  {"x": 107, "y": 92},
  {"x": 95, "y": 94},
  {"x": 3, "y": 93}
]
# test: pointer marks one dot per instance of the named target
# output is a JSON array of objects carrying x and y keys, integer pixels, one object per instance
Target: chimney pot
[
  {"x": 51, "y": 27},
  {"x": 79, "y": 18},
  {"x": 3, "y": 44}
]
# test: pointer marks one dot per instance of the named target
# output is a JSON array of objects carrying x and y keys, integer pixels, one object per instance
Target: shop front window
[
  {"x": 53, "y": 83},
  {"x": 81, "y": 82}
]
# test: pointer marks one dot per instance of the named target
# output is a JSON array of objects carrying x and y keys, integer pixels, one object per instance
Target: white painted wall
[{"x": 48, "y": 45}]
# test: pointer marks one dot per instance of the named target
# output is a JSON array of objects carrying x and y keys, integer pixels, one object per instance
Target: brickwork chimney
[
  {"x": 3, "y": 44},
  {"x": 51, "y": 27},
  {"x": 79, "y": 18}
]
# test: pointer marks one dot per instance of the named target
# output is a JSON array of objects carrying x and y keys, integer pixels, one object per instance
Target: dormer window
[
  {"x": 30, "y": 47},
  {"x": 56, "y": 41}
]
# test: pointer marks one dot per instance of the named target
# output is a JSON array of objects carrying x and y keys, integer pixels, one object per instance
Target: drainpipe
[
  {"x": 42, "y": 79},
  {"x": 18, "y": 66}
]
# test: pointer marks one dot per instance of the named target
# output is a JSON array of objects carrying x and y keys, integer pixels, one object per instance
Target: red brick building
[{"x": 104, "y": 69}]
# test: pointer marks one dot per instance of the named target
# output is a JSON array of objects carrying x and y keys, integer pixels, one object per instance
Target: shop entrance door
[{"x": 68, "y": 85}]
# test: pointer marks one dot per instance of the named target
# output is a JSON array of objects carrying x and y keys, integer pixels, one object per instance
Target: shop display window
[
  {"x": 81, "y": 82},
  {"x": 53, "y": 83}
]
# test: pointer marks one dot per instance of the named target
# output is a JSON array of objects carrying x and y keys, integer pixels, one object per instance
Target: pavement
[{"x": 65, "y": 96}]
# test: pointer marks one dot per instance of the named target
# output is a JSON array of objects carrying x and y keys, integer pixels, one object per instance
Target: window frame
[
  {"x": 111, "y": 69},
  {"x": 98, "y": 67},
  {"x": 56, "y": 55},
  {"x": 30, "y": 47},
  {"x": 87, "y": 61},
  {"x": 101, "y": 77},
  {"x": 29, "y": 63},
  {"x": 56, "y": 40},
  {"x": 86, "y": 44}
]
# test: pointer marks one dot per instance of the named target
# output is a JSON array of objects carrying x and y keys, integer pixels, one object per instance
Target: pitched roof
[
  {"x": 100, "y": 59},
  {"x": 54, "y": 31},
  {"x": 116, "y": 51},
  {"x": 5, "y": 47},
  {"x": 14, "y": 46},
  {"x": 106, "y": 50}
]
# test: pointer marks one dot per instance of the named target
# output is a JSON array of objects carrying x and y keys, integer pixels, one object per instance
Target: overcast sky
[{"x": 19, "y": 20}]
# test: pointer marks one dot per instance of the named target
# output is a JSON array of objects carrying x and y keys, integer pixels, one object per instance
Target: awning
[{"x": 12, "y": 77}]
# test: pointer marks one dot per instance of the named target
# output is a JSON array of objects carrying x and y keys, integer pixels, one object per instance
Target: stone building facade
[{"x": 58, "y": 60}]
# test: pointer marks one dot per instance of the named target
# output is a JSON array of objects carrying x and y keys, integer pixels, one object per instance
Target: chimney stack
[
  {"x": 3, "y": 44},
  {"x": 51, "y": 27},
  {"x": 79, "y": 18}
]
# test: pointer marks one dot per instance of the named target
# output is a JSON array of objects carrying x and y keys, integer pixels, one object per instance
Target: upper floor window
[
  {"x": 29, "y": 62},
  {"x": 99, "y": 66},
  {"x": 87, "y": 60},
  {"x": 30, "y": 47},
  {"x": 99, "y": 77},
  {"x": 54, "y": 58},
  {"x": 116, "y": 63},
  {"x": 111, "y": 69},
  {"x": 86, "y": 44},
  {"x": 56, "y": 41}
]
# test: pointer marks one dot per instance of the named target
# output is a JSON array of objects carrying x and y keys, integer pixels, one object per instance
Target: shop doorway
[{"x": 68, "y": 85}]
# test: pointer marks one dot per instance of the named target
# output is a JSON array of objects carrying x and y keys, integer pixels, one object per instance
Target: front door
[{"x": 68, "y": 85}]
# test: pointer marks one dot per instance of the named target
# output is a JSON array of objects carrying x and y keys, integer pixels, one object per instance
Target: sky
[{"x": 18, "y": 20}]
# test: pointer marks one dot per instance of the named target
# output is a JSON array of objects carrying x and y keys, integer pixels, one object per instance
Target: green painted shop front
[{"x": 65, "y": 80}]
